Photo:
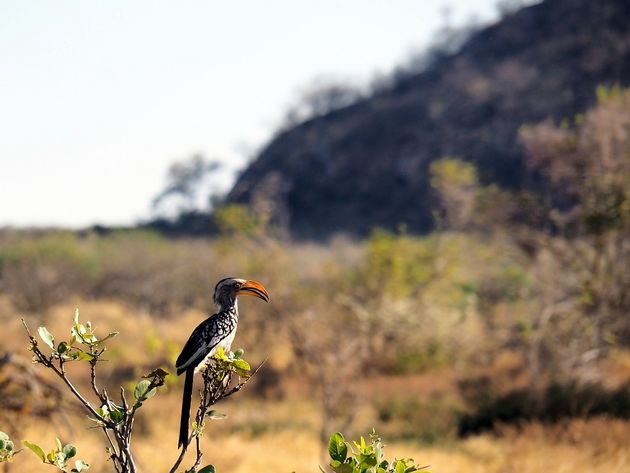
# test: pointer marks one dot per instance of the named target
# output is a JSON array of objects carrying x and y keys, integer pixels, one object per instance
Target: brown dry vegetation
[
  {"x": 499, "y": 343},
  {"x": 282, "y": 434}
]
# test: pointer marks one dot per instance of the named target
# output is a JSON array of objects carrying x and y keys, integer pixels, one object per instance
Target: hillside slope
[{"x": 366, "y": 165}]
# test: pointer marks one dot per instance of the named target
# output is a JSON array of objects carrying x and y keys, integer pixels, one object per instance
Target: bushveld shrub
[
  {"x": 153, "y": 273},
  {"x": 431, "y": 420},
  {"x": 115, "y": 415},
  {"x": 364, "y": 457},
  {"x": 38, "y": 271}
]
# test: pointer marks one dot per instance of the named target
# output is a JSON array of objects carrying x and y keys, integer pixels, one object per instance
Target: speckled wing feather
[
  {"x": 201, "y": 341},
  {"x": 216, "y": 330},
  {"x": 205, "y": 338}
]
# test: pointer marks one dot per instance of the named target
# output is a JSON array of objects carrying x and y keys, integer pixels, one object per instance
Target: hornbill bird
[{"x": 216, "y": 331}]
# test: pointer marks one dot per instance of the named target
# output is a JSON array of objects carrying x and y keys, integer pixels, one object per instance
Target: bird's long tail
[{"x": 186, "y": 400}]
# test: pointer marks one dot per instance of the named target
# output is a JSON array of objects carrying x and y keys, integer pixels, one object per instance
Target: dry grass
[
  {"x": 282, "y": 435},
  {"x": 597, "y": 445}
]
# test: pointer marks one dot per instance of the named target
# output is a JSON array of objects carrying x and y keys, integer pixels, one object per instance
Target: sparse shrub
[
  {"x": 38, "y": 271},
  {"x": 396, "y": 266},
  {"x": 364, "y": 457},
  {"x": 239, "y": 220},
  {"x": 428, "y": 420},
  {"x": 457, "y": 185},
  {"x": 115, "y": 415},
  {"x": 419, "y": 359},
  {"x": 153, "y": 273}
]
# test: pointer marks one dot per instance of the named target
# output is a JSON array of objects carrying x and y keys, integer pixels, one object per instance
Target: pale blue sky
[{"x": 97, "y": 98}]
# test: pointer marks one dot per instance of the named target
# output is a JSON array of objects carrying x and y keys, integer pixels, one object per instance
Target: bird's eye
[{"x": 237, "y": 285}]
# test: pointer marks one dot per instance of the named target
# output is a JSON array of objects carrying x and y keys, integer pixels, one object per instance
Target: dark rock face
[{"x": 366, "y": 165}]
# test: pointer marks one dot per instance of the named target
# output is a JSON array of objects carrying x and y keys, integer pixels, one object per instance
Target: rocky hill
[{"x": 365, "y": 165}]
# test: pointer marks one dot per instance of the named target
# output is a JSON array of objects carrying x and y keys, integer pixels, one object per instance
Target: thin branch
[
  {"x": 240, "y": 385},
  {"x": 122, "y": 455},
  {"x": 99, "y": 395},
  {"x": 61, "y": 373},
  {"x": 181, "y": 454},
  {"x": 123, "y": 399},
  {"x": 114, "y": 455},
  {"x": 197, "y": 463},
  {"x": 213, "y": 391}
]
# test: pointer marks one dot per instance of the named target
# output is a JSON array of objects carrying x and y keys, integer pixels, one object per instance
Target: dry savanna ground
[
  {"x": 282, "y": 435},
  {"x": 597, "y": 445}
]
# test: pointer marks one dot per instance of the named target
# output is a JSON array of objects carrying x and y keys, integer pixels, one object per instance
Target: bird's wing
[{"x": 203, "y": 339}]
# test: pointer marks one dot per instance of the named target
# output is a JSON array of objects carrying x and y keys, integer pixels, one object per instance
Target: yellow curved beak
[{"x": 254, "y": 288}]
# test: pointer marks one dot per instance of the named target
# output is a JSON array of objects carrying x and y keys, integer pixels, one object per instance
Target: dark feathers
[{"x": 200, "y": 344}]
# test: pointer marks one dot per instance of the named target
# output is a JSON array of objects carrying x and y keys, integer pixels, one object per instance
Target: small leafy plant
[
  {"x": 115, "y": 416},
  {"x": 58, "y": 457},
  {"x": 363, "y": 457},
  {"x": 6, "y": 448}
]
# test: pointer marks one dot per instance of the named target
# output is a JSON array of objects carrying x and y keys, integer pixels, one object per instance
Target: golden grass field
[
  {"x": 597, "y": 445},
  {"x": 281, "y": 435}
]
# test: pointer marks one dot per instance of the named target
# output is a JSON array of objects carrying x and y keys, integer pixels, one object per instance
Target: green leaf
[
  {"x": 337, "y": 447},
  {"x": 243, "y": 373},
  {"x": 215, "y": 415},
  {"x": 69, "y": 451},
  {"x": 367, "y": 459},
  {"x": 78, "y": 331},
  {"x": 142, "y": 391},
  {"x": 47, "y": 337},
  {"x": 36, "y": 449},
  {"x": 2, "y": 444},
  {"x": 82, "y": 355},
  {"x": 220, "y": 355},
  {"x": 400, "y": 467},
  {"x": 239, "y": 353},
  {"x": 111, "y": 335},
  {"x": 339, "y": 467},
  {"x": 116, "y": 416},
  {"x": 80, "y": 466},
  {"x": 208, "y": 469},
  {"x": 63, "y": 347},
  {"x": 242, "y": 365}
]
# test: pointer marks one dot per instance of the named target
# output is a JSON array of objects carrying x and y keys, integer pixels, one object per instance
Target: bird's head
[{"x": 228, "y": 289}]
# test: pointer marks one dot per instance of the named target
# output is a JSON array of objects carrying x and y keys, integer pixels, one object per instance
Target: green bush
[
  {"x": 396, "y": 265},
  {"x": 364, "y": 457},
  {"x": 427, "y": 420}
]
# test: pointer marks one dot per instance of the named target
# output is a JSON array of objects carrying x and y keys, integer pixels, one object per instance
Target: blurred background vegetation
[{"x": 491, "y": 334}]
